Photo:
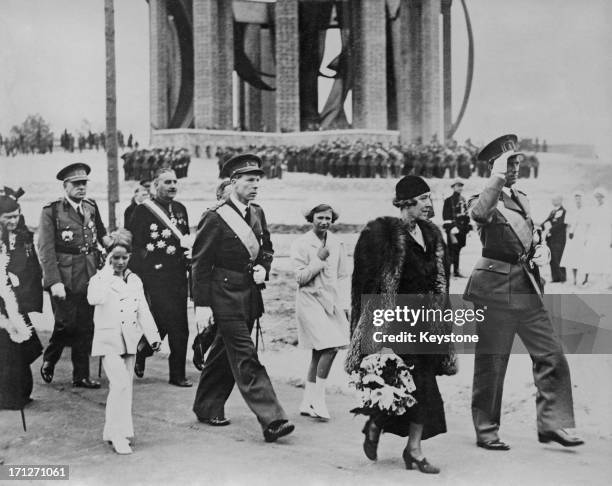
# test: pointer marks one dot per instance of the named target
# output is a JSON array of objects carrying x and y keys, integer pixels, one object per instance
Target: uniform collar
[
  {"x": 239, "y": 205},
  {"x": 75, "y": 205}
]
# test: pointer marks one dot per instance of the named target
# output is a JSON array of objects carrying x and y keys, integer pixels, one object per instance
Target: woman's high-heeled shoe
[
  {"x": 370, "y": 445},
  {"x": 423, "y": 464}
]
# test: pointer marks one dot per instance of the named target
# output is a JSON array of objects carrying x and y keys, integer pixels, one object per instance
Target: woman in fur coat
[{"x": 394, "y": 256}]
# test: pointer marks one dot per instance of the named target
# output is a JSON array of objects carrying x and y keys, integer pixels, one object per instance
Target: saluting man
[
  {"x": 232, "y": 255},
  {"x": 506, "y": 284},
  {"x": 71, "y": 235},
  {"x": 161, "y": 258}
]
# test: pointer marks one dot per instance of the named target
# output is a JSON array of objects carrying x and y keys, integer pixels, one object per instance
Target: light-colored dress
[
  {"x": 574, "y": 253},
  {"x": 323, "y": 292},
  {"x": 598, "y": 254}
]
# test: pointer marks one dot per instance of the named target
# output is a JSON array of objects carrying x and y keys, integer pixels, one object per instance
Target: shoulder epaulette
[
  {"x": 90, "y": 201},
  {"x": 521, "y": 192},
  {"x": 52, "y": 203}
]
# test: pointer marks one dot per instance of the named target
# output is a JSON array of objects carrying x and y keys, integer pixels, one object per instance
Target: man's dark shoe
[
  {"x": 46, "y": 371},
  {"x": 86, "y": 383},
  {"x": 493, "y": 445},
  {"x": 184, "y": 383},
  {"x": 560, "y": 436},
  {"x": 215, "y": 421},
  {"x": 278, "y": 429}
]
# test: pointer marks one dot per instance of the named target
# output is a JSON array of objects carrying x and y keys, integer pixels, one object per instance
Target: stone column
[
  {"x": 268, "y": 98},
  {"x": 253, "y": 95},
  {"x": 370, "y": 68},
  {"x": 223, "y": 82},
  {"x": 287, "y": 66},
  {"x": 409, "y": 85},
  {"x": 158, "y": 39},
  {"x": 431, "y": 76},
  {"x": 205, "y": 49},
  {"x": 447, "y": 91}
]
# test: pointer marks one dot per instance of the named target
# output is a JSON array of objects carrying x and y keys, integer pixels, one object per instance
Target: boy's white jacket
[{"x": 120, "y": 309}]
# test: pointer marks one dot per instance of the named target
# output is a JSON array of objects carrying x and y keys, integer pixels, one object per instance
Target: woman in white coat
[
  {"x": 322, "y": 302},
  {"x": 121, "y": 316}
]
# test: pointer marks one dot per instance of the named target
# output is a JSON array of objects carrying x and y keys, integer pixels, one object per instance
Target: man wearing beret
[
  {"x": 506, "y": 284},
  {"x": 232, "y": 255},
  {"x": 71, "y": 234},
  {"x": 456, "y": 224},
  {"x": 160, "y": 258}
]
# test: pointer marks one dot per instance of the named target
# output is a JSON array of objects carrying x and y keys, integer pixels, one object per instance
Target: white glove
[
  {"x": 259, "y": 274},
  {"x": 541, "y": 256},
  {"x": 454, "y": 231},
  {"x": 203, "y": 317},
  {"x": 14, "y": 279},
  {"x": 500, "y": 166},
  {"x": 186, "y": 242},
  {"x": 58, "y": 291}
]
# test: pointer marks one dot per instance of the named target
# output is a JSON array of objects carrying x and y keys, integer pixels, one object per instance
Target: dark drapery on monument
[{"x": 266, "y": 56}]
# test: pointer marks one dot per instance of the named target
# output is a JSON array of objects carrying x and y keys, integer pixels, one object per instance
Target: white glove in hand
[
  {"x": 259, "y": 274},
  {"x": 500, "y": 166},
  {"x": 14, "y": 279},
  {"x": 58, "y": 291},
  {"x": 203, "y": 317},
  {"x": 186, "y": 242},
  {"x": 454, "y": 231},
  {"x": 541, "y": 256}
]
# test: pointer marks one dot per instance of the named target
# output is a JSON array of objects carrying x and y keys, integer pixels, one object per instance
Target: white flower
[
  {"x": 153, "y": 227},
  {"x": 150, "y": 247},
  {"x": 154, "y": 235},
  {"x": 171, "y": 249},
  {"x": 166, "y": 233},
  {"x": 161, "y": 244},
  {"x": 372, "y": 378}
]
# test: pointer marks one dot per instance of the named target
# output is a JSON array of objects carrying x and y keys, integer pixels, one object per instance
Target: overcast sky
[{"x": 542, "y": 67}]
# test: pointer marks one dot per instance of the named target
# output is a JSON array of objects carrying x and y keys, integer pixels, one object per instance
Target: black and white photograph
[{"x": 306, "y": 242}]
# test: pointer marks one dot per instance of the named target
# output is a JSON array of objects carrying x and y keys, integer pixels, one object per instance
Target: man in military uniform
[
  {"x": 555, "y": 229},
  {"x": 505, "y": 283},
  {"x": 456, "y": 223},
  {"x": 161, "y": 258},
  {"x": 70, "y": 237},
  {"x": 232, "y": 255}
]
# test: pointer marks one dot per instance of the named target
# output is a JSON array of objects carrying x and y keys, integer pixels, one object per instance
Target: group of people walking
[{"x": 143, "y": 282}]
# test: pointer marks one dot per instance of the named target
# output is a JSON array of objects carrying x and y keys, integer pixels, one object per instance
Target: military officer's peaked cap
[
  {"x": 499, "y": 146},
  {"x": 74, "y": 172},
  {"x": 242, "y": 164}
]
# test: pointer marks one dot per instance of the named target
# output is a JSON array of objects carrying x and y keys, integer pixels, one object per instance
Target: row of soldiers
[
  {"x": 21, "y": 144},
  {"x": 360, "y": 159},
  {"x": 139, "y": 164},
  {"x": 93, "y": 141}
]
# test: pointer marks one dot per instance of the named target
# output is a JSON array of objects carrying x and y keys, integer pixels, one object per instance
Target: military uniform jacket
[
  {"x": 221, "y": 265},
  {"x": 157, "y": 253},
  {"x": 556, "y": 220},
  {"x": 68, "y": 246},
  {"x": 505, "y": 228},
  {"x": 454, "y": 213}
]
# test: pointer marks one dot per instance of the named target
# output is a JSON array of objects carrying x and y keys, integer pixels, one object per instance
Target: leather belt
[
  {"x": 245, "y": 269},
  {"x": 506, "y": 257},
  {"x": 74, "y": 251}
]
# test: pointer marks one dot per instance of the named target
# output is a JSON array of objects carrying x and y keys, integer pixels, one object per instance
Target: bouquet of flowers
[{"x": 384, "y": 384}]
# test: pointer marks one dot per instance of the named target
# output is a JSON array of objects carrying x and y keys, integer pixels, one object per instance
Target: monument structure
[{"x": 247, "y": 69}]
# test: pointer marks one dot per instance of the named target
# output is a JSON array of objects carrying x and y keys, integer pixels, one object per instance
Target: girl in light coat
[
  {"x": 121, "y": 316},
  {"x": 322, "y": 301}
]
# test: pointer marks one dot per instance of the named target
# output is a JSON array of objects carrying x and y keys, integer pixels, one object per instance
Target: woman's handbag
[{"x": 32, "y": 348}]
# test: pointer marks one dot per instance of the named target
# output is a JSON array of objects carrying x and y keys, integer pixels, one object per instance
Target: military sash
[
  {"x": 239, "y": 226},
  {"x": 163, "y": 217}
]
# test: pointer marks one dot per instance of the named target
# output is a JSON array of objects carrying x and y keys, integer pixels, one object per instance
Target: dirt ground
[{"x": 65, "y": 424}]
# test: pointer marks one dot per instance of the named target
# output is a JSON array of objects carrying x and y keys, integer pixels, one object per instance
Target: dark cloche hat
[
  {"x": 242, "y": 164},
  {"x": 74, "y": 172},
  {"x": 499, "y": 146},
  {"x": 410, "y": 186}
]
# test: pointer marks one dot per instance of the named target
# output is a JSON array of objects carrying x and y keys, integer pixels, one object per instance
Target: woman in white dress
[
  {"x": 121, "y": 316},
  {"x": 574, "y": 254},
  {"x": 322, "y": 302},
  {"x": 598, "y": 252}
]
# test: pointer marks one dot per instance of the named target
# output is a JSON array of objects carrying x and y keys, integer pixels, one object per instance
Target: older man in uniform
[
  {"x": 70, "y": 236},
  {"x": 232, "y": 255},
  {"x": 161, "y": 258},
  {"x": 505, "y": 282}
]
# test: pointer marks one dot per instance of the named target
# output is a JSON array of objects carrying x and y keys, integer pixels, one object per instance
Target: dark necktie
[
  {"x": 515, "y": 198},
  {"x": 80, "y": 212},
  {"x": 247, "y": 216}
]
